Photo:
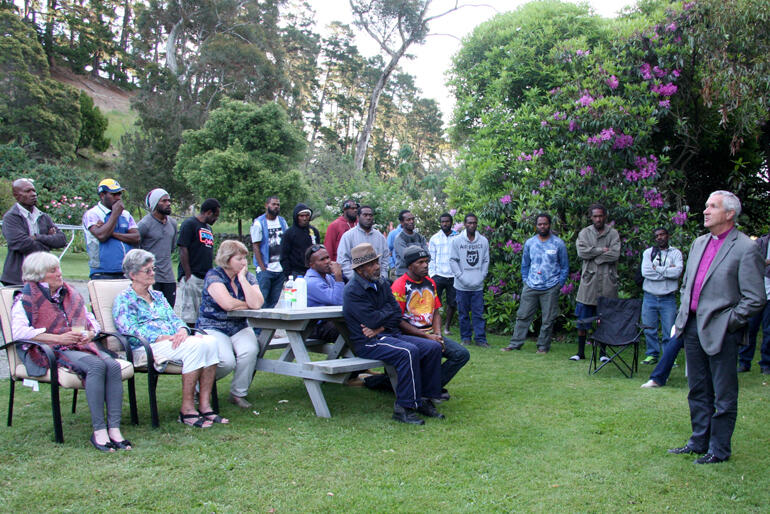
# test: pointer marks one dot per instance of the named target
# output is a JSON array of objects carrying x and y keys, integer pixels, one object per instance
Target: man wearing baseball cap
[
  {"x": 373, "y": 318},
  {"x": 110, "y": 232}
]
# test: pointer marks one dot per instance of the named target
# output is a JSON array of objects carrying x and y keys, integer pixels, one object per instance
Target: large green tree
[
  {"x": 35, "y": 111},
  {"x": 243, "y": 154}
]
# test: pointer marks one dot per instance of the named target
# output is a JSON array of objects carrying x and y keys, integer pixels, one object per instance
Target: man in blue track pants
[{"x": 373, "y": 318}]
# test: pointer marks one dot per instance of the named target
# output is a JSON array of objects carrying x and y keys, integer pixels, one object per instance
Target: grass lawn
[
  {"x": 523, "y": 432},
  {"x": 118, "y": 124}
]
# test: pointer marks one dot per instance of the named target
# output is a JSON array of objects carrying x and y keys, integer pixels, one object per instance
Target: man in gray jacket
[
  {"x": 721, "y": 290},
  {"x": 26, "y": 230},
  {"x": 598, "y": 245},
  {"x": 469, "y": 260}
]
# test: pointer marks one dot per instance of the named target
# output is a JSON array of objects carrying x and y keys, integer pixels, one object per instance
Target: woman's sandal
[
  {"x": 107, "y": 447},
  {"x": 200, "y": 421},
  {"x": 216, "y": 419},
  {"x": 125, "y": 444}
]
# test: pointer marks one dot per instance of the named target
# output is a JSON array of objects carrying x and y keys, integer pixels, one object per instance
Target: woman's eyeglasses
[{"x": 149, "y": 270}]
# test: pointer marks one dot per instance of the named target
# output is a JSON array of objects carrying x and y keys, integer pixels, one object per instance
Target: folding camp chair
[
  {"x": 617, "y": 329},
  {"x": 57, "y": 377},
  {"x": 103, "y": 294}
]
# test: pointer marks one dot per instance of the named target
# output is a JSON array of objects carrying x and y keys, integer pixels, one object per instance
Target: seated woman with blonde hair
[
  {"x": 140, "y": 312},
  {"x": 51, "y": 311},
  {"x": 231, "y": 287}
]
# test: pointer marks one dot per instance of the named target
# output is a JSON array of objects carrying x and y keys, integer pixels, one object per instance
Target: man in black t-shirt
[{"x": 196, "y": 254}]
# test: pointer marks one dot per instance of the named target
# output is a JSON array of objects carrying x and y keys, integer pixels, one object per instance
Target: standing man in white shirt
[
  {"x": 266, "y": 237},
  {"x": 662, "y": 265},
  {"x": 439, "y": 269}
]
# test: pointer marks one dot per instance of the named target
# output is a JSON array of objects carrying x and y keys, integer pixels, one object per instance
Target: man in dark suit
[{"x": 722, "y": 289}]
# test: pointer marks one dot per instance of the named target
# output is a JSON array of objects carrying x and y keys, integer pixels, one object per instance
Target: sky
[{"x": 433, "y": 59}]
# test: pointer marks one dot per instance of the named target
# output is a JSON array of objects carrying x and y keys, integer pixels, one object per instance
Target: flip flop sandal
[
  {"x": 216, "y": 419},
  {"x": 200, "y": 422}
]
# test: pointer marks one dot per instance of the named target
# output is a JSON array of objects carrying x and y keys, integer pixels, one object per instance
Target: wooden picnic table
[{"x": 295, "y": 359}]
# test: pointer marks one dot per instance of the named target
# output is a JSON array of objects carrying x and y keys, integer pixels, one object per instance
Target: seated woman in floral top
[
  {"x": 230, "y": 287},
  {"x": 140, "y": 312}
]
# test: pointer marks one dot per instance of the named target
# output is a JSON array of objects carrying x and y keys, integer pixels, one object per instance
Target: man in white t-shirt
[{"x": 266, "y": 235}]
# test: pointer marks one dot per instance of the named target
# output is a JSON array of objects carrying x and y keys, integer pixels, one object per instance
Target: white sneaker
[
  {"x": 576, "y": 358},
  {"x": 650, "y": 384},
  {"x": 604, "y": 358}
]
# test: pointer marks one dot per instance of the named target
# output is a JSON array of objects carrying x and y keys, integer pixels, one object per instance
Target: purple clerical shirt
[{"x": 713, "y": 246}]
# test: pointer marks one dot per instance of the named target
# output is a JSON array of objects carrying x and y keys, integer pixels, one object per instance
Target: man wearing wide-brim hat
[{"x": 373, "y": 318}]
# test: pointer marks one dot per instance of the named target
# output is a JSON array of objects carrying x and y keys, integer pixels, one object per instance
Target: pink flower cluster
[
  {"x": 527, "y": 157},
  {"x": 646, "y": 71},
  {"x": 680, "y": 218},
  {"x": 666, "y": 104},
  {"x": 664, "y": 89},
  {"x": 586, "y": 170},
  {"x": 671, "y": 27},
  {"x": 543, "y": 123},
  {"x": 516, "y": 247},
  {"x": 573, "y": 126},
  {"x": 613, "y": 82},
  {"x": 545, "y": 183},
  {"x": 567, "y": 289},
  {"x": 604, "y": 135},
  {"x": 653, "y": 197},
  {"x": 559, "y": 116},
  {"x": 505, "y": 199},
  {"x": 645, "y": 168},
  {"x": 622, "y": 141},
  {"x": 583, "y": 53},
  {"x": 575, "y": 276},
  {"x": 585, "y": 100},
  {"x": 452, "y": 212}
]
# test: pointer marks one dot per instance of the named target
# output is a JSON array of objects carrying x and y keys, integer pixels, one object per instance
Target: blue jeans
[
  {"x": 656, "y": 308},
  {"x": 663, "y": 369},
  {"x": 470, "y": 309},
  {"x": 271, "y": 284},
  {"x": 456, "y": 356},
  {"x": 746, "y": 353}
]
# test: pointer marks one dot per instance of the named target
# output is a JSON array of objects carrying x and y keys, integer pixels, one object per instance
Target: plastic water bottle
[
  {"x": 289, "y": 293},
  {"x": 300, "y": 286}
]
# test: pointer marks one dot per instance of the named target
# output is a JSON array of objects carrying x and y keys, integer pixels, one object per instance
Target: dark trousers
[
  {"x": 470, "y": 309},
  {"x": 446, "y": 286},
  {"x": 760, "y": 320},
  {"x": 713, "y": 397},
  {"x": 456, "y": 356},
  {"x": 417, "y": 361},
  {"x": 107, "y": 276},
  {"x": 663, "y": 369},
  {"x": 168, "y": 289}
]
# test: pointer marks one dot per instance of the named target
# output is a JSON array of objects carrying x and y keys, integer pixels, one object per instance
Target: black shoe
[
  {"x": 427, "y": 408},
  {"x": 684, "y": 450},
  {"x": 107, "y": 447},
  {"x": 710, "y": 458},
  {"x": 510, "y": 348},
  {"x": 466, "y": 342},
  {"x": 407, "y": 416},
  {"x": 743, "y": 368},
  {"x": 445, "y": 395},
  {"x": 482, "y": 344}
]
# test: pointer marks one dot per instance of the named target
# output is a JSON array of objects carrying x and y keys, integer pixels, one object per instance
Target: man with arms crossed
[{"x": 722, "y": 289}]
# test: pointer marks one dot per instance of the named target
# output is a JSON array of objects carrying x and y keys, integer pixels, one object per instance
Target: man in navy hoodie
[{"x": 301, "y": 236}]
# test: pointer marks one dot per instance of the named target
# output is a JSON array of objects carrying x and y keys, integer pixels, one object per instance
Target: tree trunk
[
  {"x": 126, "y": 24},
  {"x": 48, "y": 37},
  {"x": 171, "y": 63},
  {"x": 363, "y": 141}
]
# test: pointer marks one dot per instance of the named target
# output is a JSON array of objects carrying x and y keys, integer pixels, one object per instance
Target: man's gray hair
[
  {"x": 36, "y": 265},
  {"x": 135, "y": 260},
  {"x": 730, "y": 202}
]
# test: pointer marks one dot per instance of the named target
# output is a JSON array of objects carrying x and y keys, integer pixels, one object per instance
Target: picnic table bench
[{"x": 295, "y": 359}]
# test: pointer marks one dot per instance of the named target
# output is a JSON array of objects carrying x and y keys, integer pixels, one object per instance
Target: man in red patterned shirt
[{"x": 415, "y": 293}]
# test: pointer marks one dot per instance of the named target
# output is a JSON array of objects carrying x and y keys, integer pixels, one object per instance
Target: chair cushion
[
  {"x": 67, "y": 378},
  {"x": 103, "y": 294}
]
